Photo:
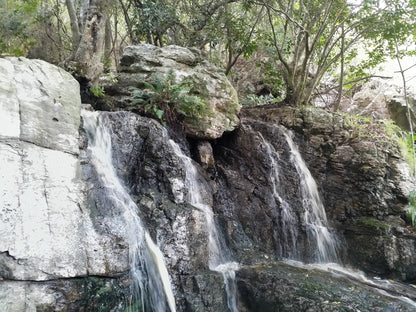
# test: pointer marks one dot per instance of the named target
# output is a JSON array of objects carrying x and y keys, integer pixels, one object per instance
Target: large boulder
[
  {"x": 142, "y": 62},
  {"x": 39, "y": 103},
  {"x": 399, "y": 110},
  {"x": 46, "y": 231},
  {"x": 381, "y": 100},
  {"x": 371, "y": 100}
]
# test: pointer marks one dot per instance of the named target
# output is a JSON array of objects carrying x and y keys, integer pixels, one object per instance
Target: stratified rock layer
[{"x": 46, "y": 232}]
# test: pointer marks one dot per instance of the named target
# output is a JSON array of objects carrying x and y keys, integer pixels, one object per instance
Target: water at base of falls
[
  {"x": 151, "y": 289},
  {"x": 384, "y": 287},
  {"x": 219, "y": 256}
]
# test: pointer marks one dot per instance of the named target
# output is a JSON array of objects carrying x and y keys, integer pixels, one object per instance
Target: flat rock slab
[
  {"x": 39, "y": 103},
  {"x": 46, "y": 231}
]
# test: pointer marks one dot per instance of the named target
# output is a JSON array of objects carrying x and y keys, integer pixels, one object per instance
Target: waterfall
[
  {"x": 288, "y": 218},
  {"x": 150, "y": 284},
  {"x": 323, "y": 244},
  {"x": 219, "y": 256},
  {"x": 314, "y": 216}
]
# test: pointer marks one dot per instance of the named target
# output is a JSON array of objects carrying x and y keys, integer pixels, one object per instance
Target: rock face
[
  {"x": 398, "y": 111},
  {"x": 272, "y": 287},
  {"x": 64, "y": 245},
  {"x": 155, "y": 176},
  {"x": 140, "y": 63},
  {"x": 36, "y": 107},
  {"x": 46, "y": 232},
  {"x": 364, "y": 184},
  {"x": 381, "y": 100}
]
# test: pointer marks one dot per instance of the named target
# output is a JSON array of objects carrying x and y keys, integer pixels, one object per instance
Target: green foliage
[
  {"x": 166, "y": 100},
  {"x": 403, "y": 140},
  {"x": 16, "y": 24},
  {"x": 360, "y": 126},
  {"x": 406, "y": 147},
  {"x": 252, "y": 100},
  {"x": 411, "y": 209},
  {"x": 153, "y": 20},
  {"x": 97, "y": 91}
]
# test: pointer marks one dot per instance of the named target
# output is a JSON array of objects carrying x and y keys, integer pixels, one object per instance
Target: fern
[{"x": 166, "y": 99}]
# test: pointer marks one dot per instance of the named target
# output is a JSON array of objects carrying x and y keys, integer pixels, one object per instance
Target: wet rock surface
[
  {"x": 72, "y": 295},
  {"x": 63, "y": 244},
  {"x": 47, "y": 234},
  {"x": 363, "y": 181},
  {"x": 278, "y": 286},
  {"x": 154, "y": 175}
]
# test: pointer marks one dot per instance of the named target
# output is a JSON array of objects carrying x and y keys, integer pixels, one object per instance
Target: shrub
[{"x": 166, "y": 100}]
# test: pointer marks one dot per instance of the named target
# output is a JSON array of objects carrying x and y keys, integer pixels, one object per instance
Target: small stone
[{"x": 206, "y": 156}]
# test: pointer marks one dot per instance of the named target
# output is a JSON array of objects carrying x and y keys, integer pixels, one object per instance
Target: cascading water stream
[
  {"x": 219, "y": 256},
  {"x": 287, "y": 215},
  {"x": 151, "y": 287},
  {"x": 315, "y": 220},
  {"x": 314, "y": 216}
]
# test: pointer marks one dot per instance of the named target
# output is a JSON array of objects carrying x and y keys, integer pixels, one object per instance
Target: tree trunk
[
  {"x": 76, "y": 34},
  {"x": 91, "y": 49},
  {"x": 341, "y": 74}
]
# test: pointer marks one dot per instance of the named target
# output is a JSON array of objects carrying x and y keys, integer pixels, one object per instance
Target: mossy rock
[{"x": 373, "y": 225}]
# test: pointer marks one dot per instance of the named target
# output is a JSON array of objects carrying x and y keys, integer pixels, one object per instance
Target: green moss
[
  {"x": 374, "y": 224},
  {"x": 99, "y": 294},
  {"x": 136, "y": 306}
]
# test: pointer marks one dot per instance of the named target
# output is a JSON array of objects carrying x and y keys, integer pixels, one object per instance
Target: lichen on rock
[{"x": 142, "y": 62}]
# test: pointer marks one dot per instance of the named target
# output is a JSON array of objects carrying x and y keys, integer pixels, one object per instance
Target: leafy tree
[
  {"x": 16, "y": 23},
  {"x": 394, "y": 29},
  {"x": 308, "y": 38}
]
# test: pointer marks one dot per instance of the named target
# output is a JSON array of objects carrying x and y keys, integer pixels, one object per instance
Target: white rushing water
[
  {"x": 316, "y": 224},
  {"x": 289, "y": 222},
  {"x": 150, "y": 279},
  {"x": 219, "y": 257},
  {"x": 314, "y": 216},
  {"x": 384, "y": 287}
]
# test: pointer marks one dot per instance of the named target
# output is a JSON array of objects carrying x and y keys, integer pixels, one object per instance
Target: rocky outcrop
[
  {"x": 281, "y": 287},
  {"x": 398, "y": 111},
  {"x": 360, "y": 173},
  {"x": 64, "y": 245},
  {"x": 153, "y": 172},
  {"x": 142, "y": 62},
  {"x": 46, "y": 232},
  {"x": 380, "y": 100}
]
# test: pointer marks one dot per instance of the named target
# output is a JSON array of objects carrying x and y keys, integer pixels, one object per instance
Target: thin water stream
[
  {"x": 219, "y": 256},
  {"x": 385, "y": 287},
  {"x": 316, "y": 224},
  {"x": 151, "y": 289},
  {"x": 314, "y": 216}
]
